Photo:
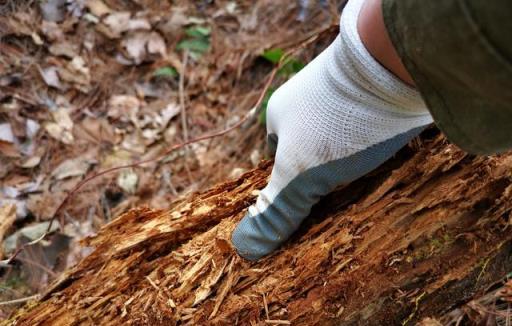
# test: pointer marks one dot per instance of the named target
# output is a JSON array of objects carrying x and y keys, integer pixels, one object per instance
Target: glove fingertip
[{"x": 241, "y": 241}]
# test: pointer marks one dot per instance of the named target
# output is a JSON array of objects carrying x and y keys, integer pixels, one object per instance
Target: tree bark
[{"x": 423, "y": 234}]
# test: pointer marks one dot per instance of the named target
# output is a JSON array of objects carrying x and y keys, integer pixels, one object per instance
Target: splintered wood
[{"x": 422, "y": 234}]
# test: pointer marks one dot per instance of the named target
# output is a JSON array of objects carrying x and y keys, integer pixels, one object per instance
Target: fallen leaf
[
  {"x": 174, "y": 22},
  {"x": 59, "y": 133},
  {"x": 127, "y": 180},
  {"x": 120, "y": 22},
  {"x": 123, "y": 107},
  {"x": 32, "y": 127},
  {"x": 151, "y": 135},
  {"x": 30, "y": 186},
  {"x": 169, "y": 112},
  {"x": 50, "y": 77},
  {"x": 134, "y": 143},
  {"x": 96, "y": 131},
  {"x": 11, "y": 79},
  {"x": 10, "y": 192},
  {"x": 116, "y": 158},
  {"x": 138, "y": 24},
  {"x": 52, "y": 30},
  {"x": 135, "y": 46},
  {"x": 31, "y": 162},
  {"x": 70, "y": 168},
  {"x": 77, "y": 73},
  {"x": 8, "y": 149},
  {"x": 169, "y": 72},
  {"x": 6, "y": 133},
  {"x": 156, "y": 44},
  {"x": 7, "y": 218},
  {"x": 21, "y": 206},
  {"x": 62, "y": 127},
  {"x": 53, "y": 10},
  {"x": 42, "y": 205},
  {"x": 76, "y": 7},
  {"x": 78, "y": 65},
  {"x": 98, "y": 8},
  {"x": 117, "y": 22},
  {"x": 64, "y": 48},
  {"x": 36, "y": 38},
  {"x": 140, "y": 46},
  {"x": 62, "y": 118},
  {"x": 32, "y": 232}
]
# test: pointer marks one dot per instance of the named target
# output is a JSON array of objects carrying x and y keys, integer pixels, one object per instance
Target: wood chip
[{"x": 277, "y": 322}]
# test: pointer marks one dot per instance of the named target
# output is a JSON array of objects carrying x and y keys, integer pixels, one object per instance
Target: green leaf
[
  {"x": 165, "y": 72},
  {"x": 273, "y": 55},
  {"x": 292, "y": 66},
  {"x": 195, "y": 45},
  {"x": 198, "y": 32},
  {"x": 262, "y": 119}
]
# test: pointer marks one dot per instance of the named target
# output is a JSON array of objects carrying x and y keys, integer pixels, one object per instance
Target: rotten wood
[{"x": 425, "y": 233}]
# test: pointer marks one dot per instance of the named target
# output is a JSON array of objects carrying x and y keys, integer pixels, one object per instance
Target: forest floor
[{"x": 86, "y": 85}]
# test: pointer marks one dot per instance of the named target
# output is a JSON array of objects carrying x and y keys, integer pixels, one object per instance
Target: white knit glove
[{"x": 339, "y": 118}]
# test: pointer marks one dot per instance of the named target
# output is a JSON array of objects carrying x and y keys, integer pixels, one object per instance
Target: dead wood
[{"x": 424, "y": 234}]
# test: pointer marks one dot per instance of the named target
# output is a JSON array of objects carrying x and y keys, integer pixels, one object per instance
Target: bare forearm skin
[{"x": 375, "y": 38}]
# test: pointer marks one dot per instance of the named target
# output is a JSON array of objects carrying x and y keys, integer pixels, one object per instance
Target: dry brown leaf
[
  {"x": 77, "y": 73},
  {"x": 32, "y": 127},
  {"x": 8, "y": 149},
  {"x": 119, "y": 22},
  {"x": 50, "y": 77},
  {"x": 70, "y": 168},
  {"x": 156, "y": 44},
  {"x": 134, "y": 143},
  {"x": 62, "y": 118},
  {"x": 98, "y": 8},
  {"x": 53, "y": 10},
  {"x": 96, "y": 131},
  {"x": 6, "y": 133},
  {"x": 52, "y": 30},
  {"x": 31, "y": 162},
  {"x": 116, "y": 158},
  {"x": 64, "y": 48},
  {"x": 7, "y": 218},
  {"x": 62, "y": 127},
  {"x": 140, "y": 46},
  {"x": 8, "y": 143},
  {"x": 174, "y": 22},
  {"x": 124, "y": 107}
]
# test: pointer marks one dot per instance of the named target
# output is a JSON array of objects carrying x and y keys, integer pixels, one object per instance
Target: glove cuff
[{"x": 352, "y": 55}]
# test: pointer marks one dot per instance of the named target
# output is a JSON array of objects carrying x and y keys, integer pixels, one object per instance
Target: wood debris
[{"x": 339, "y": 273}]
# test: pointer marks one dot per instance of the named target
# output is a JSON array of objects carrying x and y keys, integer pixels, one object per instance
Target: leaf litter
[{"x": 87, "y": 85}]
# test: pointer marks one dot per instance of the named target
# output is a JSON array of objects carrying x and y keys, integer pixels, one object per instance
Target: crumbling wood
[{"x": 423, "y": 234}]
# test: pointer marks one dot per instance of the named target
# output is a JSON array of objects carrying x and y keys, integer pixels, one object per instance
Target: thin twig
[
  {"x": 36, "y": 264},
  {"x": 184, "y": 126},
  {"x": 20, "y": 300},
  {"x": 252, "y": 114},
  {"x": 265, "y": 305}
]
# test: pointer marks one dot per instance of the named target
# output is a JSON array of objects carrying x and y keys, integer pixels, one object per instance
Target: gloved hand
[{"x": 339, "y": 118}]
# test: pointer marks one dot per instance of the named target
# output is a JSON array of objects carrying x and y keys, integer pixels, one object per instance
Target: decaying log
[{"x": 425, "y": 233}]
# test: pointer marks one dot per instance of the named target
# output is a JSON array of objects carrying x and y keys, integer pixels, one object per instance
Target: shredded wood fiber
[{"x": 404, "y": 243}]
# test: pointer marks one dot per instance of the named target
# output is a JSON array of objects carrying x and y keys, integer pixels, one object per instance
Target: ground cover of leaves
[{"x": 90, "y": 84}]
